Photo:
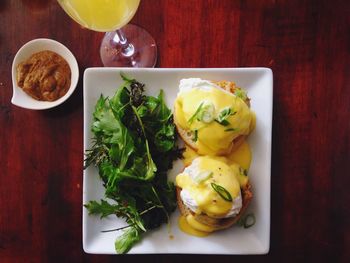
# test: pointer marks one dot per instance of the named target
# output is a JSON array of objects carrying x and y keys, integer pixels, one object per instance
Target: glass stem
[{"x": 127, "y": 49}]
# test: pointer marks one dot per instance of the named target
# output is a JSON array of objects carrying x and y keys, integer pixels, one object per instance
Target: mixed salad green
[{"x": 134, "y": 145}]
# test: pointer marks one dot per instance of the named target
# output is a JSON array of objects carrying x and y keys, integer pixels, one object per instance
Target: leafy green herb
[
  {"x": 133, "y": 148},
  {"x": 222, "y": 192},
  {"x": 121, "y": 210},
  {"x": 104, "y": 208},
  {"x": 224, "y": 115},
  {"x": 124, "y": 243}
]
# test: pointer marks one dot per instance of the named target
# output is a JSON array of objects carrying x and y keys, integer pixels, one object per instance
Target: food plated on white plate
[
  {"x": 213, "y": 119},
  {"x": 216, "y": 184}
]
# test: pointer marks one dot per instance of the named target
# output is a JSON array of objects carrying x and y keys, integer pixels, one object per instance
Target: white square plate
[{"x": 236, "y": 240}]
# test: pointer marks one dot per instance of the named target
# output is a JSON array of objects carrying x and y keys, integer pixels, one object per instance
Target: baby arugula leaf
[
  {"x": 125, "y": 242},
  {"x": 133, "y": 148},
  {"x": 104, "y": 208}
]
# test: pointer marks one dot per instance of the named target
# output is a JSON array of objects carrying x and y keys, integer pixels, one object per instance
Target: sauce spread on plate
[
  {"x": 45, "y": 76},
  {"x": 188, "y": 229}
]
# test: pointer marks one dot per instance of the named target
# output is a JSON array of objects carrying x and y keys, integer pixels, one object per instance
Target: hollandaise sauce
[
  {"x": 188, "y": 229},
  {"x": 242, "y": 156},
  {"x": 198, "y": 193},
  {"x": 213, "y": 116},
  {"x": 189, "y": 155},
  {"x": 198, "y": 180}
]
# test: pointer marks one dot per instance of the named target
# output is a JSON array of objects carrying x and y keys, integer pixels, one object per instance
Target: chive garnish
[
  {"x": 222, "y": 192},
  {"x": 223, "y": 122},
  {"x": 224, "y": 115},
  {"x": 230, "y": 129},
  {"x": 194, "y": 116},
  {"x": 240, "y": 93},
  {"x": 249, "y": 220},
  {"x": 195, "y": 136},
  {"x": 243, "y": 171}
]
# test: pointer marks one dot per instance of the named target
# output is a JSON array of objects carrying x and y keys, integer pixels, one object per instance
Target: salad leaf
[
  {"x": 127, "y": 240},
  {"x": 134, "y": 145},
  {"x": 104, "y": 208}
]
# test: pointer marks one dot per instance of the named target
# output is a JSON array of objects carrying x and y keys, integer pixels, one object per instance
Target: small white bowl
[{"x": 22, "y": 99}]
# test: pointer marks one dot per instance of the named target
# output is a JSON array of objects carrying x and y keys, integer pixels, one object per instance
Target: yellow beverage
[{"x": 101, "y": 15}]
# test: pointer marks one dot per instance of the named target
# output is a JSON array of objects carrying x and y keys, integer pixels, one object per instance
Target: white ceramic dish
[
  {"x": 19, "y": 97},
  {"x": 236, "y": 240}
]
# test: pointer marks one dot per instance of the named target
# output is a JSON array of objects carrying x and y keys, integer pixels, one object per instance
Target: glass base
[{"x": 131, "y": 46}]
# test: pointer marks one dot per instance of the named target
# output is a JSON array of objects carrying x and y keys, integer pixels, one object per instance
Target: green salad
[{"x": 134, "y": 145}]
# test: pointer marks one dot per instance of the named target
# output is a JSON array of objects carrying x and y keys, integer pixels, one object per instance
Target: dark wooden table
[{"x": 305, "y": 43}]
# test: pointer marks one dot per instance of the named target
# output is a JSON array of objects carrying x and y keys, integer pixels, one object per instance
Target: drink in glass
[{"x": 122, "y": 45}]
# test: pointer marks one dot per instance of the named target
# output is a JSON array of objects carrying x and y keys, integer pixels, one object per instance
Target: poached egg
[
  {"x": 213, "y": 115},
  {"x": 212, "y": 186}
]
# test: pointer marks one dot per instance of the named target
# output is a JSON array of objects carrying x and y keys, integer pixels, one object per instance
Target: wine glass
[{"x": 124, "y": 45}]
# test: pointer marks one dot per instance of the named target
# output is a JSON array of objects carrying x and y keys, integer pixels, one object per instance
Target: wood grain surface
[{"x": 305, "y": 43}]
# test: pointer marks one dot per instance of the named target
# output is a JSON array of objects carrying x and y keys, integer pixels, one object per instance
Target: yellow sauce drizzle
[{"x": 186, "y": 228}]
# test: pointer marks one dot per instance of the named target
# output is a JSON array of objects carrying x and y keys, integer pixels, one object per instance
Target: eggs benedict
[
  {"x": 212, "y": 117},
  {"x": 212, "y": 193}
]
